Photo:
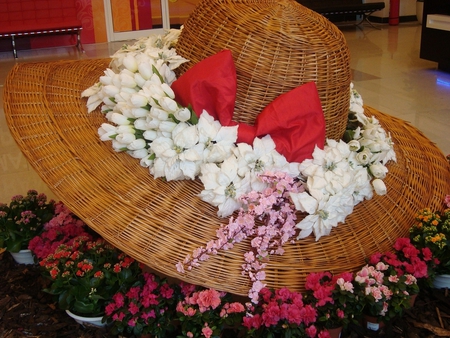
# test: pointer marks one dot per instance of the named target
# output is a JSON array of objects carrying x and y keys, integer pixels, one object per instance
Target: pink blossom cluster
[
  {"x": 61, "y": 229},
  {"x": 282, "y": 308},
  {"x": 269, "y": 216},
  {"x": 205, "y": 305},
  {"x": 372, "y": 277}
]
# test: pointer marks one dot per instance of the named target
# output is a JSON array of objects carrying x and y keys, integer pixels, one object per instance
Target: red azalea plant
[
  {"x": 281, "y": 313},
  {"x": 145, "y": 308},
  {"x": 86, "y": 274},
  {"x": 63, "y": 228},
  {"x": 333, "y": 297}
]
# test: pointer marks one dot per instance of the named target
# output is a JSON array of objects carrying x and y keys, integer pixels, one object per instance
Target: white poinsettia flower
[
  {"x": 279, "y": 163},
  {"x": 219, "y": 141},
  {"x": 223, "y": 185},
  {"x": 185, "y": 136},
  {"x": 362, "y": 186},
  {"x": 163, "y": 147},
  {"x": 257, "y": 158},
  {"x": 330, "y": 210}
]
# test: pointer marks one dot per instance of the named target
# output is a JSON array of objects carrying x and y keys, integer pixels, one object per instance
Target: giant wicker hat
[{"x": 159, "y": 222}]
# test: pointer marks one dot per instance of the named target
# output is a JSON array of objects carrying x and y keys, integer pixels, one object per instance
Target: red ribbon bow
[{"x": 294, "y": 119}]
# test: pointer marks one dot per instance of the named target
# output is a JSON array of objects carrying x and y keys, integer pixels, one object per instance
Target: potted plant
[
  {"x": 383, "y": 293},
  {"x": 432, "y": 230},
  {"x": 281, "y": 313},
  {"x": 334, "y": 299},
  {"x": 23, "y": 219},
  {"x": 85, "y": 275},
  {"x": 207, "y": 313},
  {"x": 63, "y": 228},
  {"x": 145, "y": 308}
]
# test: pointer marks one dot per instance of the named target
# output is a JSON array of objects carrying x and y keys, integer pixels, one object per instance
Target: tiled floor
[{"x": 387, "y": 71}]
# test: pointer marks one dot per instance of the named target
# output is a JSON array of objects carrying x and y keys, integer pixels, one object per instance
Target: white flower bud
[
  {"x": 168, "y": 104},
  {"x": 139, "y": 112},
  {"x": 140, "y": 124},
  {"x": 378, "y": 170},
  {"x": 137, "y": 144},
  {"x": 138, "y": 100},
  {"x": 150, "y": 135},
  {"x": 125, "y": 138},
  {"x": 167, "y": 126},
  {"x": 111, "y": 90},
  {"x": 119, "y": 119},
  {"x": 167, "y": 90},
  {"x": 379, "y": 186},
  {"x": 127, "y": 80},
  {"x": 363, "y": 157},
  {"x": 183, "y": 114},
  {"x": 129, "y": 62},
  {"x": 354, "y": 145},
  {"x": 145, "y": 69}
]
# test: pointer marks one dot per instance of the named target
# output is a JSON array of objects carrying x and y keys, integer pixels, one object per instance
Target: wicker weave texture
[
  {"x": 158, "y": 223},
  {"x": 276, "y": 46}
]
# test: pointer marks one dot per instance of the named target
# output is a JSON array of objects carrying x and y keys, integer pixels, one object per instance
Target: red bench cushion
[{"x": 21, "y": 16}]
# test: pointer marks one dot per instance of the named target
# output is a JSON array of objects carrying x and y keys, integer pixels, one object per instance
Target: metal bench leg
[
  {"x": 366, "y": 19},
  {"x": 13, "y": 42},
  {"x": 79, "y": 45}
]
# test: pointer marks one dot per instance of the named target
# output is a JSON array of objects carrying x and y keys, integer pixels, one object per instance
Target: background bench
[
  {"x": 334, "y": 9},
  {"x": 21, "y": 18}
]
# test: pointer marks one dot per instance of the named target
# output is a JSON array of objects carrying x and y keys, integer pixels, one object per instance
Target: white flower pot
[
  {"x": 441, "y": 282},
  {"x": 87, "y": 321},
  {"x": 23, "y": 257}
]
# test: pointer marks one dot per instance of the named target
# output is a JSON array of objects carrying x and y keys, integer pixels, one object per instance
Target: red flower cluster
[
  {"x": 144, "y": 308},
  {"x": 407, "y": 259},
  {"x": 332, "y": 296},
  {"x": 282, "y": 310}
]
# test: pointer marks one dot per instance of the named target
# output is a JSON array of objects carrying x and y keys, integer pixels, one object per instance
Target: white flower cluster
[
  {"x": 148, "y": 124},
  {"x": 341, "y": 175}
]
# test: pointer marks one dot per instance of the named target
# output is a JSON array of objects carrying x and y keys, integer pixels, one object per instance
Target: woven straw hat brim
[{"x": 159, "y": 223}]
